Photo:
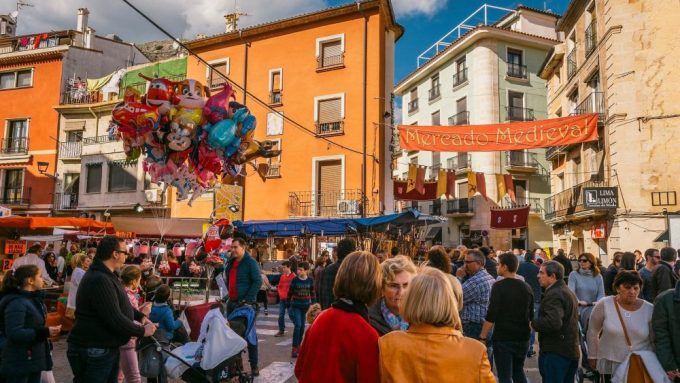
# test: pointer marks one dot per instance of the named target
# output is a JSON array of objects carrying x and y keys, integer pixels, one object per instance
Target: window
[
  {"x": 516, "y": 67},
  {"x": 435, "y": 119},
  {"x": 521, "y": 191},
  {"x": 122, "y": 176},
  {"x": 17, "y": 79},
  {"x": 74, "y": 136},
  {"x": 94, "y": 178},
  {"x": 275, "y": 86},
  {"x": 218, "y": 75},
  {"x": 329, "y": 114},
  {"x": 573, "y": 101},
  {"x": 413, "y": 103},
  {"x": 462, "y": 116},
  {"x": 434, "y": 87},
  {"x": 330, "y": 52},
  {"x": 16, "y": 137},
  {"x": 14, "y": 181},
  {"x": 516, "y": 106},
  {"x": 274, "y": 162}
]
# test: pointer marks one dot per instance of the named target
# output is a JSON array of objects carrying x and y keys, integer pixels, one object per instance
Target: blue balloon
[{"x": 221, "y": 134}]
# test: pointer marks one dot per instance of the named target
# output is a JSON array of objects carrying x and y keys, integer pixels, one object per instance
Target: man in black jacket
[
  {"x": 565, "y": 262},
  {"x": 557, "y": 326},
  {"x": 663, "y": 276},
  {"x": 104, "y": 318},
  {"x": 344, "y": 248}
]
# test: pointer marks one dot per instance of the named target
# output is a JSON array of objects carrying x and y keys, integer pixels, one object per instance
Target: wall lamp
[
  {"x": 42, "y": 168},
  {"x": 138, "y": 208}
]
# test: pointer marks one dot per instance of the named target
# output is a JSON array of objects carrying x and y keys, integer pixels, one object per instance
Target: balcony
[
  {"x": 461, "y": 162},
  {"x": 434, "y": 93},
  {"x": 591, "y": 38},
  {"x": 66, "y": 201},
  {"x": 519, "y": 114},
  {"x": 569, "y": 201},
  {"x": 521, "y": 161},
  {"x": 274, "y": 171},
  {"x": 517, "y": 71},
  {"x": 341, "y": 203},
  {"x": 329, "y": 128},
  {"x": 436, "y": 207},
  {"x": 39, "y": 41},
  {"x": 535, "y": 204},
  {"x": 594, "y": 103},
  {"x": 413, "y": 106},
  {"x": 460, "y": 118},
  {"x": 81, "y": 96},
  {"x": 460, "y": 77},
  {"x": 14, "y": 145},
  {"x": 16, "y": 196},
  {"x": 70, "y": 150},
  {"x": 275, "y": 97},
  {"x": 330, "y": 62},
  {"x": 460, "y": 206},
  {"x": 98, "y": 140},
  {"x": 571, "y": 63}
]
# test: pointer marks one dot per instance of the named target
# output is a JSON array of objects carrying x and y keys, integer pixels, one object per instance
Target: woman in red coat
[{"x": 341, "y": 346}]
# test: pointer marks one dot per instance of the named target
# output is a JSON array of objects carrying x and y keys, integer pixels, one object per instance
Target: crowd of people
[{"x": 368, "y": 316}]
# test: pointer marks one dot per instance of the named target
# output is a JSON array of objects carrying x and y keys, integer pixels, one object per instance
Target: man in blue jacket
[{"x": 243, "y": 279}]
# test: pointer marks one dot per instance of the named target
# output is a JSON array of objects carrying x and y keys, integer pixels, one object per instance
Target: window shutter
[
  {"x": 331, "y": 51},
  {"x": 74, "y": 125},
  {"x": 221, "y": 76},
  {"x": 330, "y": 110},
  {"x": 328, "y": 189},
  {"x": 94, "y": 178},
  {"x": 276, "y": 81}
]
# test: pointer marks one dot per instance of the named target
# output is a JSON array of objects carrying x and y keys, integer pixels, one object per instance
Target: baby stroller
[{"x": 584, "y": 372}]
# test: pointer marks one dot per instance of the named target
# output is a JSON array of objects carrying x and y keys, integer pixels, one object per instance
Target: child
[
  {"x": 161, "y": 313},
  {"x": 300, "y": 295},
  {"x": 313, "y": 312},
  {"x": 131, "y": 277},
  {"x": 283, "y": 286}
]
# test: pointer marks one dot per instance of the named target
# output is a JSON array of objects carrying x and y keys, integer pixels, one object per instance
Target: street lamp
[{"x": 42, "y": 168}]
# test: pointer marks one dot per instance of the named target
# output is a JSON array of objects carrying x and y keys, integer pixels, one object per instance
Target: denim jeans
[
  {"x": 29, "y": 378},
  {"x": 283, "y": 305},
  {"x": 532, "y": 338},
  {"x": 297, "y": 315},
  {"x": 93, "y": 365},
  {"x": 509, "y": 357},
  {"x": 555, "y": 368}
]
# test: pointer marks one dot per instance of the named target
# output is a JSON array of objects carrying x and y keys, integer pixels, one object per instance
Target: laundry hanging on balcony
[{"x": 500, "y": 137}]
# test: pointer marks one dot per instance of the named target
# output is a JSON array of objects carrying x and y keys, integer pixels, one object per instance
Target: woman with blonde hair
[
  {"x": 435, "y": 329},
  {"x": 79, "y": 263},
  {"x": 397, "y": 274},
  {"x": 341, "y": 346}
]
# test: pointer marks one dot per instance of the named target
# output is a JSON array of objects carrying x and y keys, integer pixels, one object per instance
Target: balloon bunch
[{"x": 191, "y": 140}]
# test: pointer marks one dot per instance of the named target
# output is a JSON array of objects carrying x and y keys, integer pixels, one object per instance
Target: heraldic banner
[
  {"x": 512, "y": 218},
  {"x": 498, "y": 137}
]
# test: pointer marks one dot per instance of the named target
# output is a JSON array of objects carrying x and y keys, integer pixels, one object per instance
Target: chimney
[
  {"x": 89, "y": 38},
  {"x": 230, "y": 21},
  {"x": 81, "y": 26}
]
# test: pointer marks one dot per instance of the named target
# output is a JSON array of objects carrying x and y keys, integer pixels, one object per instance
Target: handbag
[{"x": 637, "y": 371}]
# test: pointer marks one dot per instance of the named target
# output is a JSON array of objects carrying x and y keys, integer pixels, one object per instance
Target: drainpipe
[
  {"x": 364, "y": 127},
  {"x": 246, "y": 45}
]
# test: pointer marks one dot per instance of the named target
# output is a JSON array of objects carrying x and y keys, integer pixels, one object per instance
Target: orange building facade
[{"x": 331, "y": 73}]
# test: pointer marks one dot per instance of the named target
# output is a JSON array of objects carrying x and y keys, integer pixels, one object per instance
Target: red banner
[
  {"x": 413, "y": 195},
  {"x": 498, "y": 137},
  {"x": 514, "y": 218}
]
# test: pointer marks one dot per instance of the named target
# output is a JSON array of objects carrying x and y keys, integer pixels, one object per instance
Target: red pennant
[
  {"x": 400, "y": 192},
  {"x": 510, "y": 187},
  {"x": 450, "y": 184},
  {"x": 481, "y": 184},
  {"x": 516, "y": 218},
  {"x": 420, "y": 180}
]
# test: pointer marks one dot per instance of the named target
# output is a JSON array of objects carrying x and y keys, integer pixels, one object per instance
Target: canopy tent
[
  {"x": 295, "y": 227},
  {"x": 410, "y": 216},
  {"x": 16, "y": 222}
]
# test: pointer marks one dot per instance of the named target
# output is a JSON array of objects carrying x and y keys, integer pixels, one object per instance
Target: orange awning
[{"x": 14, "y": 222}]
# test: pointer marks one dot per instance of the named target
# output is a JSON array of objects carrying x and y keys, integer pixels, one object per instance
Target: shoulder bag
[{"x": 637, "y": 371}]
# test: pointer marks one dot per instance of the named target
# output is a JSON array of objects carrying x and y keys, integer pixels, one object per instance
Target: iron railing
[
  {"x": 274, "y": 171},
  {"x": 341, "y": 203},
  {"x": 14, "y": 145},
  {"x": 519, "y": 114},
  {"x": 591, "y": 38},
  {"x": 98, "y": 140},
  {"x": 413, "y": 105},
  {"x": 16, "y": 196},
  {"x": 571, "y": 63},
  {"x": 65, "y": 201},
  {"x": 460, "y": 118},
  {"x": 70, "y": 150},
  {"x": 569, "y": 201},
  {"x": 436, "y": 207},
  {"x": 330, "y": 61},
  {"x": 594, "y": 103},
  {"x": 329, "y": 128},
  {"x": 535, "y": 203},
  {"x": 460, "y": 161},
  {"x": 434, "y": 92},
  {"x": 460, "y": 206},
  {"x": 81, "y": 96},
  {"x": 553, "y": 151},
  {"x": 38, "y": 41},
  {"x": 275, "y": 97},
  {"x": 517, "y": 71},
  {"x": 460, "y": 77},
  {"x": 521, "y": 158}
]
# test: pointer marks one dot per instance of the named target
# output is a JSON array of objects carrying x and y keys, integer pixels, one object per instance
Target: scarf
[
  {"x": 586, "y": 273},
  {"x": 350, "y": 306},
  {"x": 394, "y": 321}
]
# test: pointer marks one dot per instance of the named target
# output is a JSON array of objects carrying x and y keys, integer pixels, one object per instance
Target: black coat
[
  {"x": 566, "y": 263},
  {"x": 376, "y": 319},
  {"x": 663, "y": 278},
  {"x": 608, "y": 279},
  {"x": 27, "y": 349},
  {"x": 557, "y": 323}
]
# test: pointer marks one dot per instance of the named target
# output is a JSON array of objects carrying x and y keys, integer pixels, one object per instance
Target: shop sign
[
  {"x": 126, "y": 234},
  {"x": 7, "y": 264},
  {"x": 15, "y": 247},
  {"x": 598, "y": 230},
  {"x": 601, "y": 198}
]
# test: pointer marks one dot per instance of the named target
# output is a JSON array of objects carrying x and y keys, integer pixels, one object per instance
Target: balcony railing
[
  {"x": 275, "y": 97},
  {"x": 536, "y": 206},
  {"x": 81, "y": 96},
  {"x": 16, "y": 196},
  {"x": 519, "y": 114},
  {"x": 436, "y": 207},
  {"x": 460, "y": 118},
  {"x": 594, "y": 103},
  {"x": 39, "y": 41},
  {"x": 521, "y": 159},
  {"x": 460, "y": 161},
  {"x": 517, "y": 71},
  {"x": 274, "y": 171},
  {"x": 70, "y": 150},
  {"x": 568, "y": 201},
  {"x": 14, "y": 145},
  {"x": 571, "y": 63},
  {"x": 329, "y": 128},
  {"x": 342, "y": 203},
  {"x": 591, "y": 38},
  {"x": 460, "y": 206},
  {"x": 413, "y": 105},
  {"x": 460, "y": 77},
  {"x": 65, "y": 201},
  {"x": 333, "y": 61},
  {"x": 98, "y": 140},
  {"x": 434, "y": 92}
]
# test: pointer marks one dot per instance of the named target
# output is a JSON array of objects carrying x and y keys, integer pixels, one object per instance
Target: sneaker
[
  {"x": 294, "y": 353},
  {"x": 254, "y": 371},
  {"x": 279, "y": 334}
]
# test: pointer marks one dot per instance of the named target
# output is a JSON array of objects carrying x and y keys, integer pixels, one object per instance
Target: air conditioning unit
[
  {"x": 151, "y": 195},
  {"x": 348, "y": 207}
]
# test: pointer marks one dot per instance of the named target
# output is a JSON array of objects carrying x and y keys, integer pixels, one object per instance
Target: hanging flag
[
  {"x": 411, "y": 180},
  {"x": 451, "y": 184},
  {"x": 481, "y": 185},
  {"x": 441, "y": 182},
  {"x": 514, "y": 218},
  {"x": 472, "y": 184},
  {"x": 500, "y": 187},
  {"x": 510, "y": 187},
  {"x": 400, "y": 192},
  {"x": 420, "y": 180}
]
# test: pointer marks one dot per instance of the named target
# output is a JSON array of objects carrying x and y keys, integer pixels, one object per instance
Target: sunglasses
[
  {"x": 583, "y": 261},
  {"x": 122, "y": 252}
]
